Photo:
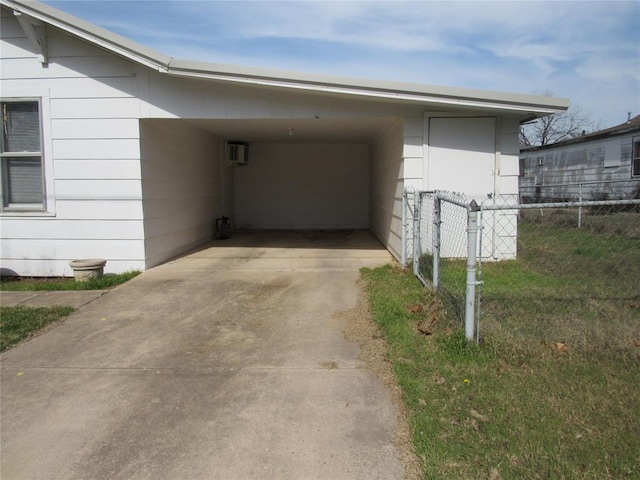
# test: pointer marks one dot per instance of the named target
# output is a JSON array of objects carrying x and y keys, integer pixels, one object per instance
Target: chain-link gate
[{"x": 557, "y": 261}]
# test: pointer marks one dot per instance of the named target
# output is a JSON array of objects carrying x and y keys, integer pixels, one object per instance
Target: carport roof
[{"x": 526, "y": 106}]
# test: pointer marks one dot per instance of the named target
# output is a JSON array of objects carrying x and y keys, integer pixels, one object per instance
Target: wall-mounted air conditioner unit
[{"x": 237, "y": 153}]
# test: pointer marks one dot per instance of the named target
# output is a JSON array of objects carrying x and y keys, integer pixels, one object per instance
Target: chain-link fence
[
  {"x": 441, "y": 247},
  {"x": 567, "y": 272}
]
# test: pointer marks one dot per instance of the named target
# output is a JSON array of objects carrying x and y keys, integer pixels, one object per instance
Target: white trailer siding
[
  {"x": 602, "y": 165},
  {"x": 91, "y": 156}
]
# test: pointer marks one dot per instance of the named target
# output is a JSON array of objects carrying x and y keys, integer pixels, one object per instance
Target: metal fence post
[
  {"x": 405, "y": 228},
  {"x": 580, "y": 207},
  {"x": 437, "y": 221},
  {"x": 472, "y": 239},
  {"x": 417, "y": 238}
]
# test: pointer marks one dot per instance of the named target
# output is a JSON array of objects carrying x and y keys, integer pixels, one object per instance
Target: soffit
[{"x": 315, "y": 130}]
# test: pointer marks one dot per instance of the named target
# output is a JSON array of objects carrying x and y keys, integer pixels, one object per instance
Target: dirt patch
[{"x": 361, "y": 328}]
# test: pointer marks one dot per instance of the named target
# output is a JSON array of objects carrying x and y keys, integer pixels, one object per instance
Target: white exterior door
[{"x": 460, "y": 155}]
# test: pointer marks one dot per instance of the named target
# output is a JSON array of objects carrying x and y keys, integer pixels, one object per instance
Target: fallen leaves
[
  {"x": 495, "y": 474},
  {"x": 415, "y": 308},
  {"x": 438, "y": 380},
  {"x": 425, "y": 328},
  {"x": 427, "y": 316},
  {"x": 560, "y": 347},
  {"x": 478, "y": 416}
]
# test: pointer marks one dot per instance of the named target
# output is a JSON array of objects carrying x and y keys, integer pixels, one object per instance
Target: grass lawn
[
  {"x": 18, "y": 323},
  {"x": 552, "y": 389},
  {"x": 22, "y": 284}
]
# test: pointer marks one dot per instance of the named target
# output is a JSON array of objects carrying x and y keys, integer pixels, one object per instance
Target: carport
[
  {"x": 301, "y": 173},
  {"x": 334, "y": 173}
]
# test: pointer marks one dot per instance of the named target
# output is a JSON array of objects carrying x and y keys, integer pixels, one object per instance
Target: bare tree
[{"x": 556, "y": 127}]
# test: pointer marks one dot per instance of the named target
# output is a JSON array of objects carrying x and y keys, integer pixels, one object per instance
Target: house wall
[
  {"x": 603, "y": 165},
  {"x": 387, "y": 188},
  {"x": 303, "y": 185},
  {"x": 183, "y": 187},
  {"x": 91, "y": 157}
]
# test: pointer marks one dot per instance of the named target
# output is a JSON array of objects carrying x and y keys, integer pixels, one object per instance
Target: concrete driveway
[{"x": 228, "y": 363}]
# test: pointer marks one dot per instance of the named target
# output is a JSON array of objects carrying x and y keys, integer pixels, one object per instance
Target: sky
[{"x": 587, "y": 51}]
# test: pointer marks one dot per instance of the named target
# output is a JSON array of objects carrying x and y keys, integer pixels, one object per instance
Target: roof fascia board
[
  {"x": 92, "y": 33},
  {"x": 376, "y": 88},
  {"x": 400, "y": 96}
]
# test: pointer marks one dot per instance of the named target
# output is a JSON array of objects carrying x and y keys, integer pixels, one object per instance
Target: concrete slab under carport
[{"x": 229, "y": 362}]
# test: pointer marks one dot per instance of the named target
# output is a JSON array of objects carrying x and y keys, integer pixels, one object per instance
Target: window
[
  {"x": 522, "y": 166},
  {"x": 21, "y": 155},
  {"x": 635, "y": 166},
  {"x": 612, "y": 154}
]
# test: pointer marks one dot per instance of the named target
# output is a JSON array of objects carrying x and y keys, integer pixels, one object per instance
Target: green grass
[
  {"x": 18, "y": 323},
  {"x": 108, "y": 281},
  {"x": 551, "y": 391}
]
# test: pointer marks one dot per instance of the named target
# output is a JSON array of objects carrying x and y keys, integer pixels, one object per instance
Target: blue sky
[{"x": 588, "y": 51}]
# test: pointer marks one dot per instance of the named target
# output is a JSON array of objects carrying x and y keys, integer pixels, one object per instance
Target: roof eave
[
  {"x": 531, "y": 106},
  {"x": 92, "y": 33}
]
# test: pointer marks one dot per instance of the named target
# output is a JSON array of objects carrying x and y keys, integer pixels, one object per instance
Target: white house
[
  {"x": 115, "y": 151},
  {"x": 598, "y": 166}
]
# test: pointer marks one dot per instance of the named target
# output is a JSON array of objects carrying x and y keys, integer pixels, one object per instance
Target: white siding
[
  {"x": 387, "y": 187},
  {"x": 182, "y": 169},
  {"x": 303, "y": 186},
  {"x": 91, "y": 148}
]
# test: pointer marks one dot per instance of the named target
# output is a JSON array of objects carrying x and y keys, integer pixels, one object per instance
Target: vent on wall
[{"x": 237, "y": 153}]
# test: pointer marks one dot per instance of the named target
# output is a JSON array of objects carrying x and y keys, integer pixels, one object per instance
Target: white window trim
[{"x": 47, "y": 209}]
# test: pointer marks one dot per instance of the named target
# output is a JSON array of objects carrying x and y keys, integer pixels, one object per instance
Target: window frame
[{"x": 5, "y": 206}]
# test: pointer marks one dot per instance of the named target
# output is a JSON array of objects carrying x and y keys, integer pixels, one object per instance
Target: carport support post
[{"x": 472, "y": 244}]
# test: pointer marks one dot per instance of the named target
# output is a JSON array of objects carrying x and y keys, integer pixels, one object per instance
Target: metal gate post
[
  {"x": 437, "y": 221},
  {"x": 472, "y": 243},
  {"x": 580, "y": 207},
  {"x": 417, "y": 213},
  {"x": 405, "y": 229}
]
